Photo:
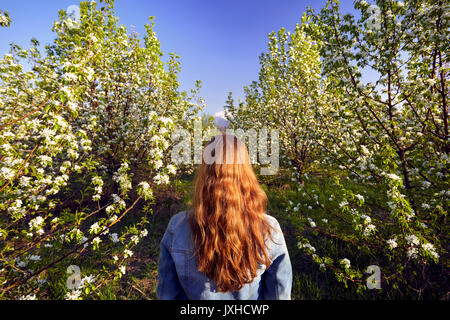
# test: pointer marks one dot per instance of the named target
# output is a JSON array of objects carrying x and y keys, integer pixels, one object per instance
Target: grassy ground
[
  {"x": 140, "y": 280},
  {"x": 309, "y": 283}
]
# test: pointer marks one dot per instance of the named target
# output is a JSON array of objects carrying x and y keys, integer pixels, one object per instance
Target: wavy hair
[{"x": 228, "y": 222}]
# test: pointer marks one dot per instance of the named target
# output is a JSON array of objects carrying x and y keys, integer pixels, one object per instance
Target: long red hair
[{"x": 228, "y": 224}]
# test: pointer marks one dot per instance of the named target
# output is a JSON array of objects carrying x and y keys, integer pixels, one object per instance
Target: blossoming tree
[
  {"x": 394, "y": 132},
  {"x": 83, "y": 140},
  {"x": 388, "y": 138}
]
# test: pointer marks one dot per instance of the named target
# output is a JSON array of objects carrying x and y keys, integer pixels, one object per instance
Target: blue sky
[{"x": 218, "y": 42}]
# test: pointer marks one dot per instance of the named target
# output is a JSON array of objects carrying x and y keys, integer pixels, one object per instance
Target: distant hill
[{"x": 219, "y": 119}]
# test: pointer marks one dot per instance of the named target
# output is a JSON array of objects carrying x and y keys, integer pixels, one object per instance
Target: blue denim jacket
[{"x": 179, "y": 277}]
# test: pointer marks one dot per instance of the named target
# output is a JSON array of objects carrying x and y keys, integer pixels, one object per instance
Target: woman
[{"x": 226, "y": 247}]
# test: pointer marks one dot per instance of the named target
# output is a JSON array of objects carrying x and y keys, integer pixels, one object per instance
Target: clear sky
[{"x": 218, "y": 41}]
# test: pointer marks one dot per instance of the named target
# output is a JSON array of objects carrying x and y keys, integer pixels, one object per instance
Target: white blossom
[
  {"x": 392, "y": 243},
  {"x": 73, "y": 295},
  {"x": 345, "y": 262},
  {"x": 412, "y": 252},
  {"x": 127, "y": 253},
  {"x": 359, "y": 197},
  {"x": 307, "y": 246},
  {"x": 122, "y": 269},
  {"x": 311, "y": 223},
  {"x": 412, "y": 239}
]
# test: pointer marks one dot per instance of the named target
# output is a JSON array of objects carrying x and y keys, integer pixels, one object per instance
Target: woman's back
[
  {"x": 220, "y": 248},
  {"x": 179, "y": 277}
]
